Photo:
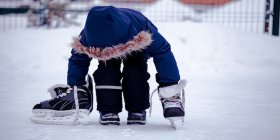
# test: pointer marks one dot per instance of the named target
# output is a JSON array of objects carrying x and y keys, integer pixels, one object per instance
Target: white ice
[{"x": 233, "y": 91}]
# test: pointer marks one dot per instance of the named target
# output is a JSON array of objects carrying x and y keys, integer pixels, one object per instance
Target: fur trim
[{"x": 138, "y": 43}]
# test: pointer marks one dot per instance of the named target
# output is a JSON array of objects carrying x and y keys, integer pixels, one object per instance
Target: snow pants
[{"x": 132, "y": 82}]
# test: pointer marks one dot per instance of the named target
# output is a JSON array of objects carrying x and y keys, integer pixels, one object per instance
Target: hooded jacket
[{"x": 113, "y": 33}]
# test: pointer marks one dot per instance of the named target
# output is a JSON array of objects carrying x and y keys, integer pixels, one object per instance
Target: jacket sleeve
[
  {"x": 164, "y": 60},
  {"x": 78, "y": 65}
]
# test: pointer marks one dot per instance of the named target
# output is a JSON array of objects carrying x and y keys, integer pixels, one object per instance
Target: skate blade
[
  {"x": 175, "y": 120},
  {"x": 60, "y": 117},
  {"x": 56, "y": 113}
]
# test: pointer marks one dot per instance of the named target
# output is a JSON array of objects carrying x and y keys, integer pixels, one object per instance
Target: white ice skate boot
[
  {"x": 173, "y": 102},
  {"x": 69, "y": 105}
]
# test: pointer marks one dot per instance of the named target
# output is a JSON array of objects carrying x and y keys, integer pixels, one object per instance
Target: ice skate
[
  {"x": 173, "y": 102},
  {"x": 109, "y": 118},
  {"x": 69, "y": 105},
  {"x": 138, "y": 118}
]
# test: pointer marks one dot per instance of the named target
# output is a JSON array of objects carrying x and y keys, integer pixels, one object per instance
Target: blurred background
[{"x": 256, "y": 16}]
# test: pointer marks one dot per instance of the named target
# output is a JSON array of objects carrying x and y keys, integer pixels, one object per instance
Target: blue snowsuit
[
  {"x": 107, "y": 26},
  {"x": 114, "y": 36}
]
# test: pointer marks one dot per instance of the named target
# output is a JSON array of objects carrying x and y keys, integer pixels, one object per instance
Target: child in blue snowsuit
[{"x": 114, "y": 36}]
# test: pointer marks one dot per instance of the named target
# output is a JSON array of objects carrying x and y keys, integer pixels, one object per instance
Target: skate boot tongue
[{"x": 58, "y": 89}]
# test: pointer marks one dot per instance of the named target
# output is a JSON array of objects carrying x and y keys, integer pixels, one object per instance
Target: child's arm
[
  {"x": 163, "y": 58},
  {"x": 78, "y": 65}
]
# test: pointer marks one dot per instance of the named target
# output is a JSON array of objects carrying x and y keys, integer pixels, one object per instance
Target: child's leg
[
  {"x": 108, "y": 86},
  {"x": 135, "y": 83}
]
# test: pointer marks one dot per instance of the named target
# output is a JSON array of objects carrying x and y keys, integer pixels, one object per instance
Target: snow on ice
[{"x": 233, "y": 89}]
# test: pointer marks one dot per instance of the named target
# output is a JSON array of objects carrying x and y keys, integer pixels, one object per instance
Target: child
[{"x": 114, "y": 36}]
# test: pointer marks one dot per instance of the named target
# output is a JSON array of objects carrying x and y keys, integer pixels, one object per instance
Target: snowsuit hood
[{"x": 110, "y": 33}]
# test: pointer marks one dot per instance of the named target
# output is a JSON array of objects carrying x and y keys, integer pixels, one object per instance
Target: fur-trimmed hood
[
  {"x": 138, "y": 43},
  {"x": 111, "y": 32}
]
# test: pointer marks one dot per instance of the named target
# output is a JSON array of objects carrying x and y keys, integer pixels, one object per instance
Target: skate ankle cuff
[{"x": 170, "y": 91}]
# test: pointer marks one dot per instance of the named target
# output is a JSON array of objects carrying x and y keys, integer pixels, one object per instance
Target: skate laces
[
  {"x": 151, "y": 102},
  {"x": 76, "y": 104},
  {"x": 76, "y": 100},
  {"x": 173, "y": 101}
]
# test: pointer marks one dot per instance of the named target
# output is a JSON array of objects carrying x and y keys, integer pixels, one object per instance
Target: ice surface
[{"x": 233, "y": 91}]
